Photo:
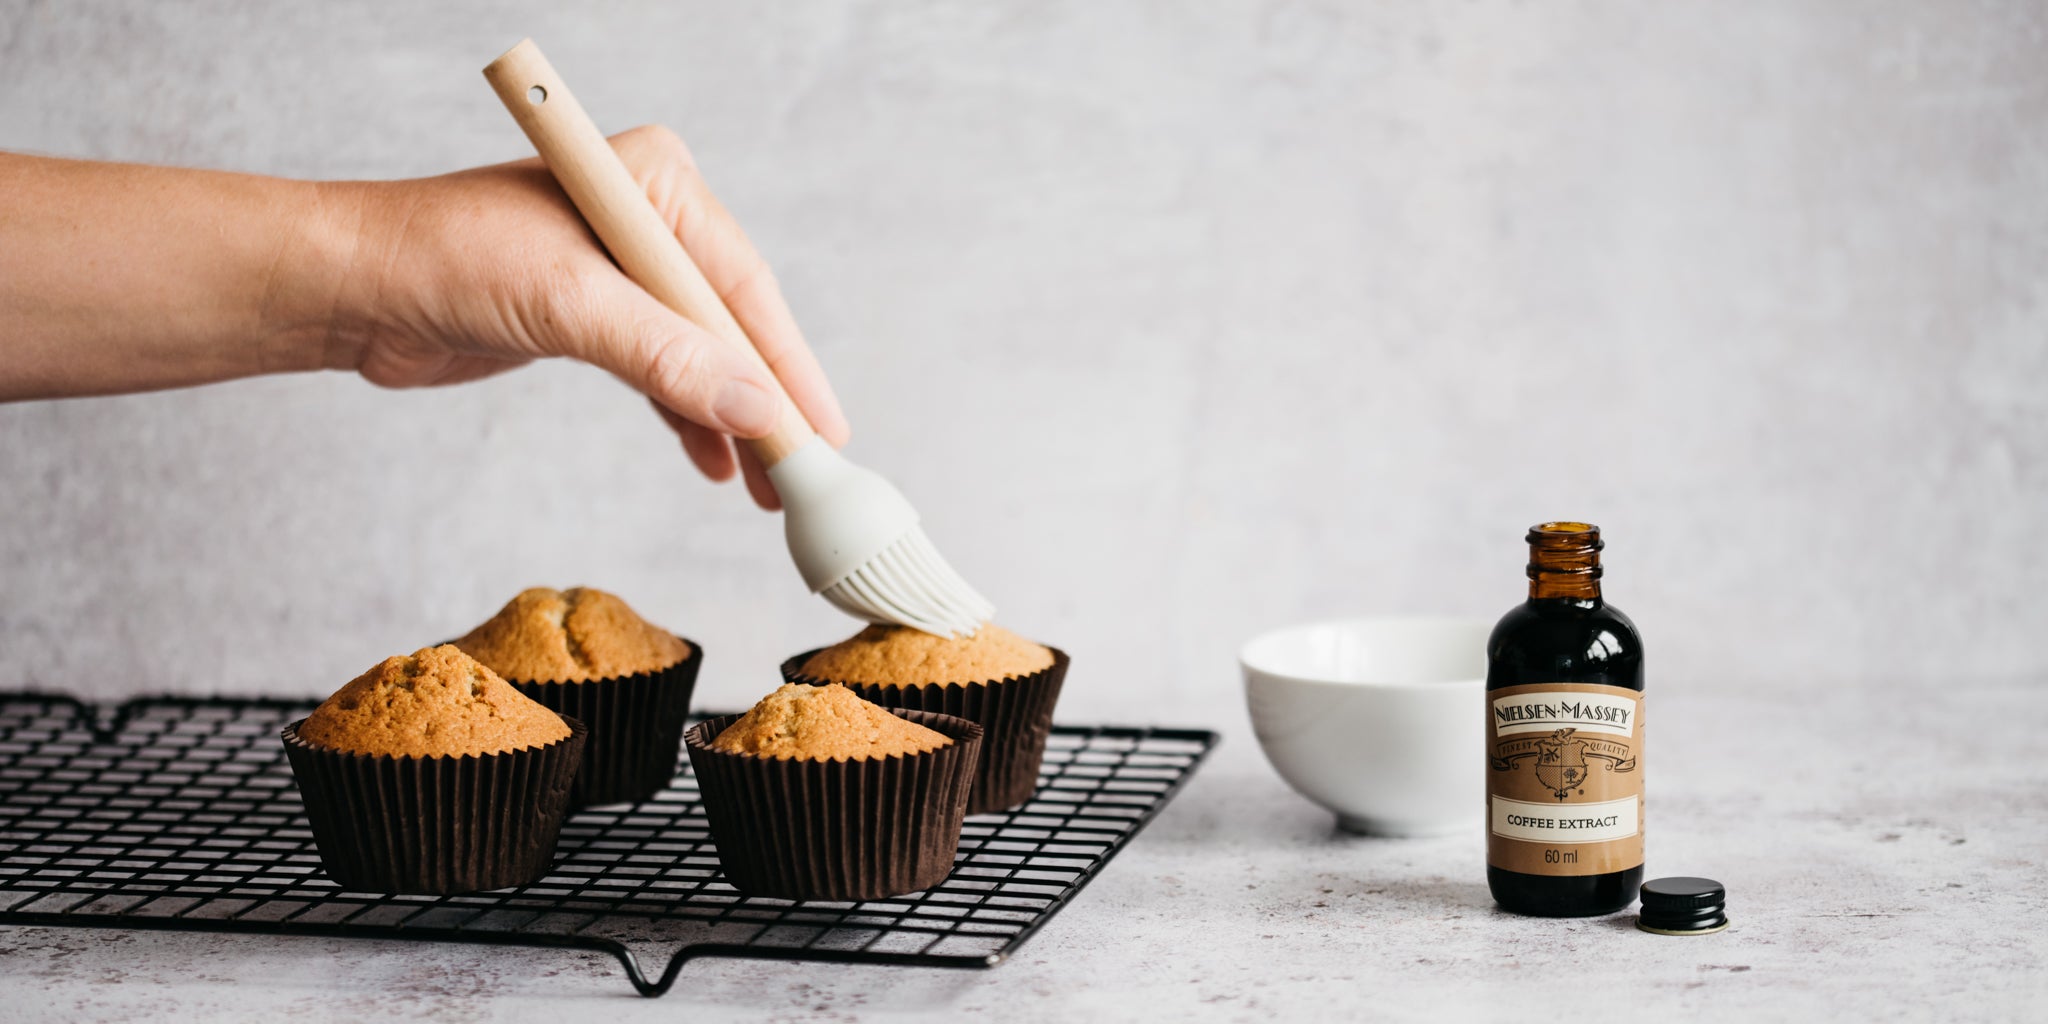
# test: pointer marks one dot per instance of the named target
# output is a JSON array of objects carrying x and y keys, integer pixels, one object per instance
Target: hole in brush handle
[{"x": 537, "y": 95}]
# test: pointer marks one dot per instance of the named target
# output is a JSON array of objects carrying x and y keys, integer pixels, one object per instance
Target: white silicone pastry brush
[{"x": 854, "y": 537}]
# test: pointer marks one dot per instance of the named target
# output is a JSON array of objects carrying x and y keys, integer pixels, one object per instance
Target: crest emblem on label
[
  {"x": 1560, "y": 759},
  {"x": 1561, "y": 763}
]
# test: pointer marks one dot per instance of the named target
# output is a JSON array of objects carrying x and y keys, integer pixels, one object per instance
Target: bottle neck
[{"x": 1564, "y": 562}]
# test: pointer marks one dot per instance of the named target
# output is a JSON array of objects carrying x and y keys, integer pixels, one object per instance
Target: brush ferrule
[{"x": 855, "y": 539}]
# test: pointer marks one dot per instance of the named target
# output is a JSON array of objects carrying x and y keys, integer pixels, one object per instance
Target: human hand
[{"x": 465, "y": 275}]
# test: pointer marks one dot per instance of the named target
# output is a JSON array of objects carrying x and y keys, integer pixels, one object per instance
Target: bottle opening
[{"x": 1564, "y": 559}]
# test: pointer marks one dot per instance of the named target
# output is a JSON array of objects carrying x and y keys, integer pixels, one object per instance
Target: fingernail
[{"x": 746, "y": 408}]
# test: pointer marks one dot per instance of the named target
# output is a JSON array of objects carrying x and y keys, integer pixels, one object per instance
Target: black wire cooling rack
[{"x": 178, "y": 813}]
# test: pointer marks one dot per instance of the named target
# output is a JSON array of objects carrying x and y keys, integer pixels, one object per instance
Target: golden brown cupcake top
[
  {"x": 820, "y": 723},
  {"x": 574, "y": 635},
  {"x": 434, "y": 702},
  {"x": 901, "y": 656}
]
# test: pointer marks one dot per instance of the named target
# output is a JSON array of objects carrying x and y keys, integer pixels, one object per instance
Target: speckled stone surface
[{"x": 1883, "y": 847}]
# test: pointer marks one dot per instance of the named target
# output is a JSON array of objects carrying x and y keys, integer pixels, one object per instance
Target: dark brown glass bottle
[{"x": 1564, "y": 737}]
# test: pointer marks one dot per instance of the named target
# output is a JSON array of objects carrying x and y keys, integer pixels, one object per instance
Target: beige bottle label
[{"x": 1564, "y": 780}]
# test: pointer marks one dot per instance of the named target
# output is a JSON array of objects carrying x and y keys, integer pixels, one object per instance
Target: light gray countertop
[{"x": 1882, "y": 843}]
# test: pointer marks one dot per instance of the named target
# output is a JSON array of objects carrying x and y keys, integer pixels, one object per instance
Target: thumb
[{"x": 686, "y": 369}]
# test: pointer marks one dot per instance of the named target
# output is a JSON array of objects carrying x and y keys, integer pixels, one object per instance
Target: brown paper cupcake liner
[
  {"x": 636, "y": 728},
  {"x": 435, "y": 825},
  {"x": 1015, "y": 712},
  {"x": 864, "y": 829}
]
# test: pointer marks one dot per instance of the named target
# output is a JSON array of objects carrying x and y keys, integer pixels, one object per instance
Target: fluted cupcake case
[
  {"x": 859, "y": 829},
  {"x": 435, "y": 825},
  {"x": 1016, "y": 713},
  {"x": 636, "y": 728}
]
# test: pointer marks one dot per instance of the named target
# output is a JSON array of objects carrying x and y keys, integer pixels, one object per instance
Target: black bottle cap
[{"x": 1683, "y": 906}]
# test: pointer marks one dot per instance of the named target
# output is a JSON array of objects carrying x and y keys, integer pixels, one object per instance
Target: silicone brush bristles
[{"x": 910, "y": 584}]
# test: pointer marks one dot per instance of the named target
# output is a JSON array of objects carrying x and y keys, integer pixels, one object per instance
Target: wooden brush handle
[{"x": 618, "y": 209}]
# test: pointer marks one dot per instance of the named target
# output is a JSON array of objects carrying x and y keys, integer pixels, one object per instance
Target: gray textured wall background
[{"x": 1178, "y": 321}]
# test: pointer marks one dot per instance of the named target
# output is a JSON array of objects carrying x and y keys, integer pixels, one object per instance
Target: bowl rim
[{"x": 1250, "y": 668}]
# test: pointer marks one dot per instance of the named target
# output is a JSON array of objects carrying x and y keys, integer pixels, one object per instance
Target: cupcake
[
  {"x": 994, "y": 678},
  {"x": 587, "y": 655},
  {"x": 429, "y": 774},
  {"x": 817, "y": 794}
]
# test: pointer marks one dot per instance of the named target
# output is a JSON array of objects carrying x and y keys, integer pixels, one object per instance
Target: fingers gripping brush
[{"x": 854, "y": 537}]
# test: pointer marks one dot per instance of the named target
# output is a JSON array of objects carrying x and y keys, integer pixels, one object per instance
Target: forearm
[{"x": 119, "y": 277}]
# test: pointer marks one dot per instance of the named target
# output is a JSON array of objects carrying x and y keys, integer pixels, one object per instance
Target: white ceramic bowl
[{"x": 1379, "y": 720}]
